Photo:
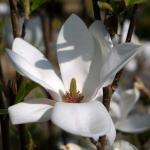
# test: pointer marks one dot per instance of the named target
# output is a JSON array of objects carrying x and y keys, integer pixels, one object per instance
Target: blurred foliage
[
  {"x": 143, "y": 21},
  {"x": 133, "y": 2},
  {"x": 25, "y": 88},
  {"x": 58, "y": 11},
  {"x": 105, "y": 5},
  {"x": 36, "y": 4}
]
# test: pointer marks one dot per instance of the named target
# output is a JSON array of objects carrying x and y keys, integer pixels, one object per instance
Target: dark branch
[
  {"x": 96, "y": 10},
  {"x": 46, "y": 26},
  {"x": 24, "y": 28},
  {"x": 128, "y": 39},
  {"x": 14, "y": 18},
  {"x": 132, "y": 23}
]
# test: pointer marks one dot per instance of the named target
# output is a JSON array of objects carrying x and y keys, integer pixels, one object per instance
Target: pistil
[{"x": 73, "y": 96}]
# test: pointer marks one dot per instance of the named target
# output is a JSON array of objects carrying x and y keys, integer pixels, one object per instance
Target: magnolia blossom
[
  {"x": 87, "y": 60},
  {"x": 34, "y": 33},
  {"x": 121, "y": 107},
  {"x": 4, "y": 9},
  {"x": 123, "y": 145},
  {"x": 145, "y": 53},
  {"x": 70, "y": 146}
]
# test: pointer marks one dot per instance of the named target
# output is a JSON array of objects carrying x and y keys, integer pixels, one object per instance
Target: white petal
[
  {"x": 36, "y": 110},
  {"x": 111, "y": 135},
  {"x": 4, "y": 8},
  {"x": 115, "y": 111},
  {"x": 70, "y": 146},
  {"x": 123, "y": 145},
  {"x": 47, "y": 79},
  {"x": 93, "y": 80},
  {"x": 118, "y": 58},
  {"x": 75, "y": 51},
  {"x": 134, "y": 124},
  {"x": 85, "y": 119},
  {"x": 128, "y": 101},
  {"x": 27, "y": 51},
  {"x": 38, "y": 60},
  {"x": 103, "y": 46},
  {"x": 102, "y": 38}
]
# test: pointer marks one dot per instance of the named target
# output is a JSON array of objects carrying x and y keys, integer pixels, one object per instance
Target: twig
[
  {"x": 96, "y": 10},
  {"x": 14, "y": 18},
  {"x": 22, "y": 136},
  {"x": 4, "y": 121},
  {"x": 115, "y": 82},
  {"x": 132, "y": 23},
  {"x": 24, "y": 28},
  {"x": 17, "y": 33},
  {"x": 101, "y": 143},
  {"x": 46, "y": 26}
]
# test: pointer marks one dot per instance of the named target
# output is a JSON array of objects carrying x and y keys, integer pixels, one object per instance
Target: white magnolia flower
[
  {"x": 33, "y": 34},
  {"x": 71, "y": 146},
  {"x": 123, "y": 145},
  {"x": 86, "y": 57},
  {"x": 4, "y": 9},
  {"x": 121, "y": 106},
  {"x": 145, "y": 53}
]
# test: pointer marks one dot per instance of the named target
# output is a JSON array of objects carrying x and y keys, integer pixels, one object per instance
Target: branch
[
  {"x": 14, "y": 18},
  {"x": 4, "y": 124},
  {"x": 132, "y": 23},
  {"x": 96, "y": 10},
  {"x": 46, "y": 26},
  {"x": 115, "y": 82},
  {"x": 24, "y": 28}
]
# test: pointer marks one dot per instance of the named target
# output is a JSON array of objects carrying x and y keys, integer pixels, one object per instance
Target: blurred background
[{"x": 41, "y": 31}]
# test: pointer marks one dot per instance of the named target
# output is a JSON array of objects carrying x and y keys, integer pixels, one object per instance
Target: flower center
[{"x": 73, "y": 96}]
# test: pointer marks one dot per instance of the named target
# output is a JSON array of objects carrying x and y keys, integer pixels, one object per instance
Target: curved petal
[
  {"x": 85, "y": 119},
  {"x": 102, "y": 38},
  {"x": 47, "y": 80},
  {"x": 75, "y": 51},
  {"x": 70, "y": 146},
  {"x": 93, "y": 79},
  {"x": 27, "y": 51},
  {"x": 36, "y": 110},
  {"x": 134, "y": 124},
  {"x": 128, "y": 101},
  {"x": 103, "y": 46},
  {"x": 119, "y": 57},
  {"x": 111, "y": 135},
  {"x": 38, "y": 60},
  {"x": 123, "y": 145},
  {"x": 115, "y": 111}
]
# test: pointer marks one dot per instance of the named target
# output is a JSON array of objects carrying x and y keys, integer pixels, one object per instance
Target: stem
[
  {"x": 14, "y": 18},
  {"x": 46, "y": 26},
  {"x": 96, "y": 10},
  {"x": 22, "y": 136},
  {"x": 132, "y": 23},
  {"x": 17, "y": 33},
  {"x": 101, "y": 143},
  {"x": 115, "y": 82},
  {"x": 24, "y": 28},
  {"x": 4, "y": 122}
]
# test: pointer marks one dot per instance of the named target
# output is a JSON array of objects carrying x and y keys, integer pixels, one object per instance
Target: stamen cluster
[
  {"x": 73, "y": 99},
  {"x": 73, "y": 96}
]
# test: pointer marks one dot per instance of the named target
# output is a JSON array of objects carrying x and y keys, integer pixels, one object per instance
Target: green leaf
[
  {"x": 132, "y": 2},
  {"x": 3, "y": 111},
  {"x": 105, "y": 5},
  {"x": 25, "y": 88},
  {"x": 36, "y": 4}
]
